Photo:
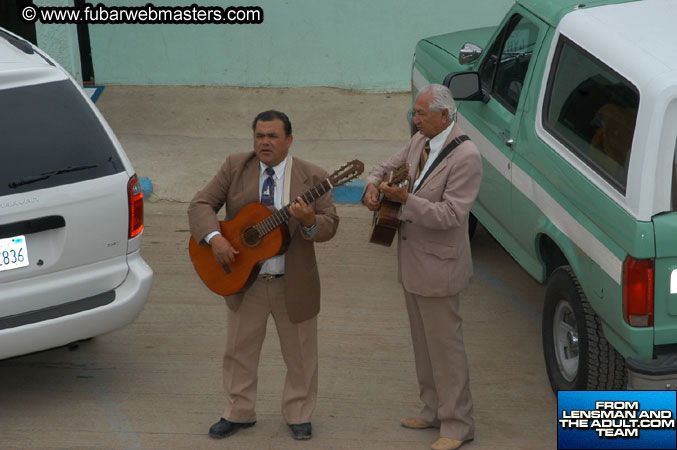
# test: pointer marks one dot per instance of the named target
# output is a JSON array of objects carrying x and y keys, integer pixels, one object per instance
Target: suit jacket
[
  {"x": 236, "y": 185},
  {"x": 433, "y": 245}
]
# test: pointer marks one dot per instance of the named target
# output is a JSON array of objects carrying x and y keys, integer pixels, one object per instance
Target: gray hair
[{"x": 441, "y": 99}]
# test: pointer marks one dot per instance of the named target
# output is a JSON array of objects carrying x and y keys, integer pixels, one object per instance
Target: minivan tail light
[
  {"x": 135, "y": 201},
  {"x": 638, "y": 292}
]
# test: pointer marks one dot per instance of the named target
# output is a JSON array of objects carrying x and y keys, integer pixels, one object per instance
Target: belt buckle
[{"x": 268, "y": 276}]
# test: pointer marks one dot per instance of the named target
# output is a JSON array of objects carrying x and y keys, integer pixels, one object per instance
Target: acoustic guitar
[
  {"x": 257, "y": 234},
  {"x": 385, "y": 222}
]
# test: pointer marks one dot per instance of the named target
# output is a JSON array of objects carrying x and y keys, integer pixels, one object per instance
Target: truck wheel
[{"x": 577, "y": 355}]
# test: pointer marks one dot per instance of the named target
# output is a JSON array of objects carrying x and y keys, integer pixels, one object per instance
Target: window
[
  {"x": 592, "y": 110},
  {"x": 50, "y": 136},
  {"x": 505, "y": 67}
]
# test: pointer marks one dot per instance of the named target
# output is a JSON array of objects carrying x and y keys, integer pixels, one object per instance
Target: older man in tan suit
[
  {"x": 434, "y": 258},
  {"x": 288, "y": 286}
]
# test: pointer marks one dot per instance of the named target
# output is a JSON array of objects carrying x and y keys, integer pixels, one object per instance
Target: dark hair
[{"x": 270, "y": 115}]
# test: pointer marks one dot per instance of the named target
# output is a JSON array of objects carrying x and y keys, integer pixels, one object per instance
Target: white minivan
[{"x": 71, "y": 211}]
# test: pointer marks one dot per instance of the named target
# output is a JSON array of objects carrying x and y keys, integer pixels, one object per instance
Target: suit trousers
[
  {"x": 244, "y": 340},
  {"x": 441, "y": 364}
]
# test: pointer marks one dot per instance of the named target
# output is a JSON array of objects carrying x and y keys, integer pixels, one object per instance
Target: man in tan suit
[
  {"x": 434, "y": 262},
  {"x": 288, "y": 286}
]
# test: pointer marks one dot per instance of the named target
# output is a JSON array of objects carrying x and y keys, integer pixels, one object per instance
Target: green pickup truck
[{"x": 574, "y": 109}]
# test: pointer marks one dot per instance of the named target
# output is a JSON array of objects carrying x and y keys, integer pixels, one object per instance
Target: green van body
[{"x": 546, "y": 211}]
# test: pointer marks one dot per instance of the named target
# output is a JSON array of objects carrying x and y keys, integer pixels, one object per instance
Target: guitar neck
[{"x": 282, "y": 215}]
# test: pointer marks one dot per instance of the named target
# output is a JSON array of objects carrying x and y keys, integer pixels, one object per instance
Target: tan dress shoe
[
  {"x": 415, "y": 423},
  {"x": 447, "y": 444}
]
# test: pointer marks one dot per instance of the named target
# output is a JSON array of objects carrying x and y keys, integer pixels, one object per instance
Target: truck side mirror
[{"x": 465, "y": 86}]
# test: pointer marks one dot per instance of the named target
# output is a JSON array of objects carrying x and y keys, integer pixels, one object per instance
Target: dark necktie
[
  {"x": 424, "y": 157},
  {"x": 268, "y": 190}
]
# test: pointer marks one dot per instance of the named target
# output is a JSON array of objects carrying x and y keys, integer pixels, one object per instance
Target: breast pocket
[
  {"x": 432, "y": 189},
  {"x": 442, "y": 251}
]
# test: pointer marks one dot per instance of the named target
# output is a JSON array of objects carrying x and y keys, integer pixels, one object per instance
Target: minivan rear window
[
  {"x": 592, "y": 110},
  {"x": 49, "y": 136}
]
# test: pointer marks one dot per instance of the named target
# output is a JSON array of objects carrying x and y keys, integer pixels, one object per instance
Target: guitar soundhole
[{"x": 251, "y": 236}]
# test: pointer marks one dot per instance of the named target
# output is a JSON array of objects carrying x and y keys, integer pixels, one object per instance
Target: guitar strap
[{"x": 443, "y": 154}]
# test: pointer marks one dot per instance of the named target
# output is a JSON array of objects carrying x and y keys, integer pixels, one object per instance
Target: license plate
[{"x": 13, "y": 253}]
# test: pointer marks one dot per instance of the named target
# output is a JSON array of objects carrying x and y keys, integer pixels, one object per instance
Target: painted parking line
[
  {"x": 507, "y": 293},
  {"x": 114, "y": 414},
  {"x": 349, "y": 193},
  {"x": 94, "y": 92},
  {"x": 146, "y": 185}
]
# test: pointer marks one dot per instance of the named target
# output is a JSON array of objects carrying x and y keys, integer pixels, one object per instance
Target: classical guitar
[
  {"x": 257, "y": 234},
  {"x": 385, "y": 222}
]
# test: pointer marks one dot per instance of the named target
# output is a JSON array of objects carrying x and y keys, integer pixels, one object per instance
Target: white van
[{"x": 71, "y": 211}]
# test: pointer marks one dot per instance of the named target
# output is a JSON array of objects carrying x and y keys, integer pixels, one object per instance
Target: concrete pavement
[{"x": 157, "y": 382}]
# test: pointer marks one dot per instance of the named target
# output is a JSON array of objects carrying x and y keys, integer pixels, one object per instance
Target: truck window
[
  {"x": 505, "y": 66},
  {"x": 592, "y": 110}
]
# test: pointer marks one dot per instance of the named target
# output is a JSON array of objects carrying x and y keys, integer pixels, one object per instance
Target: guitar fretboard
[{"x": 282, "y": 215}]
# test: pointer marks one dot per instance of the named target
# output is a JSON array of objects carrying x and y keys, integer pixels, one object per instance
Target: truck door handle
[{"x": 508, "y": 140}]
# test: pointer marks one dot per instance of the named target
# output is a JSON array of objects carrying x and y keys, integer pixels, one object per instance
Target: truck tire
[{"x": 577, "y": 355}]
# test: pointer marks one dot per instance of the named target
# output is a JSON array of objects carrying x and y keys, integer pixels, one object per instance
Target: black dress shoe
[
  {"x": 302, "y": 431},
  {"x": 224, "y": 428}
]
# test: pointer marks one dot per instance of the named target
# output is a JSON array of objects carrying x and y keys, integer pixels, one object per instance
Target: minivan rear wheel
[{"x": 577, "y": 355}]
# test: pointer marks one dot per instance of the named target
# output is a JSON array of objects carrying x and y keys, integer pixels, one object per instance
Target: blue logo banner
[{"x": 616, "y": 420}]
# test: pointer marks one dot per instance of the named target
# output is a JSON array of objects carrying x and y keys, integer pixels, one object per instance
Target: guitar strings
[{"x": 274, "y": 220}]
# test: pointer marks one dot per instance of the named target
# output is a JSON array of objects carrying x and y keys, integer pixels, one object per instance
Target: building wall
[
  {"x": 346, "y": 44},
  {"x": 60, "y": 41}
]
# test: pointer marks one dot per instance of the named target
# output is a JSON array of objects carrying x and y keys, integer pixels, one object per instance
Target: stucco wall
[
  {"x": 60, "y": 41},
  {"x": 347, "y": 44}
]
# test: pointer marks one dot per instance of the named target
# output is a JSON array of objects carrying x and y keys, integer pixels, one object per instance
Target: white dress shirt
[
  {"x": 274, "y": 265},
  {"x": 436, "y": 146}
]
